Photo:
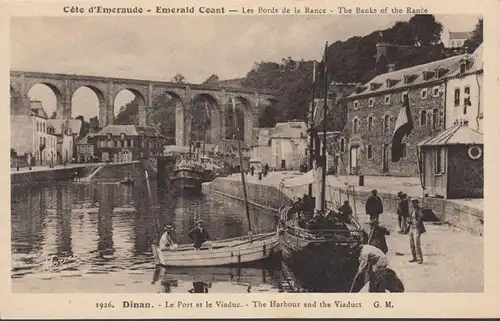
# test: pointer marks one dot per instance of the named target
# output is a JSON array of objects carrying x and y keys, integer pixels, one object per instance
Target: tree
[
  {"x": 476, "y": 37},
  {"x": 426, "y": 30},
  {"x": 54, "y": 115},
  {"x": 179, "y": 78}
]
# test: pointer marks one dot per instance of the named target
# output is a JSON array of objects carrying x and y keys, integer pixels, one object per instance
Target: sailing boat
[
  {"x": 249, "y": 248},
  {"x": 316, "y": 247}
]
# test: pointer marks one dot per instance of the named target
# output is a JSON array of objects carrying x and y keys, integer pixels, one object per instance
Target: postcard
[{"x": 250, "y": 159}]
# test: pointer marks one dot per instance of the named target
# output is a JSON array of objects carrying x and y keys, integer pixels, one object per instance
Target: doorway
[
  {"x": 283, "y": 163},
  {"x": 353, "y": 161},
  {"x": 385, "y": 163}
]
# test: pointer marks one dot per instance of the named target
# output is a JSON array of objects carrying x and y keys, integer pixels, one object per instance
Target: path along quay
[{"x": 453, "y": 249}]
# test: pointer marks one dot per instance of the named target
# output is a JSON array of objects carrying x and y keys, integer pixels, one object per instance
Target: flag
[{"x": 404, "y": 126}]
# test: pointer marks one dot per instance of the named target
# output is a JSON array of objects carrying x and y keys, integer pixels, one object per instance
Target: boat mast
[
  {"x": 236, "y": 131},
  {"x": 323, "y": 160},
  {"x": 311, "y": 141},
  {"x": 205, "y": 131}
]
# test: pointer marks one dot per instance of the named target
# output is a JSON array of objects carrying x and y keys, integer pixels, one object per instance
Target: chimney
[{"x": 391, "y": 67}]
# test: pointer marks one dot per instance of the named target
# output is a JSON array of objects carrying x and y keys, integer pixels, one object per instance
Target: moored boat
[
  {"x": 220, "y": 253},
  {"x": 317, "y": 237},
  {"x": 187, "y": 175}
]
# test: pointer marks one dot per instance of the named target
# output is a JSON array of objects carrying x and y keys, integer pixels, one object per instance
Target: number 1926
[{"x": 104, "y": 305}]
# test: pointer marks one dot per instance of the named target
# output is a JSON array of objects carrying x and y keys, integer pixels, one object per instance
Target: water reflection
[{"x": 99, "y": 235}]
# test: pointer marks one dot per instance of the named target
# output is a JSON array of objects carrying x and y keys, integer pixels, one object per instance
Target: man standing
[
  {"x": 403, "y": 213},
  {"x": 373, "y": 268},
  {"x": 199, "y": 235},
  {"x": 417, "y": 228},
  {"x": 374, "y": 206}
]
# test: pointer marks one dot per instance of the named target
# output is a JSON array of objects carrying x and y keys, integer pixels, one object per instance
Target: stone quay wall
[{"x": 270, "y": 197}]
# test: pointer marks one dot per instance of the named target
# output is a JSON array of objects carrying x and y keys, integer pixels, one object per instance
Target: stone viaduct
[{"x": 219, "y": 99}]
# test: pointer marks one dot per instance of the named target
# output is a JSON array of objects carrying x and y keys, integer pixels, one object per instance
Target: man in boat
[
  {"x": 345, "y": 211},
  {"x": 373, "y": 268},
  {"x": 377, "y": 236},
  {"x": 199, "y": 235},
  {"x": 166, "y": 242},
  {"x": 374, "y": 206},
  {"x": 403, "y": 213}
]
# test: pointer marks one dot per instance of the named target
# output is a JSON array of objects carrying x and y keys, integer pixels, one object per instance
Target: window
[
  {"x": 403, "y": 95},
  {"x": 356, "y": 104},
  {"x": 467, "y": 96},
  {"x": 435, "y": 91},
  {"x": 423, "y": 93},
  {"x": 435, "y": 118},
  {"x": 37, "y": 126},
  {"x": 387, "y": 99},
  {"x": 370, "y": 152},
  {"x": 370, "y": 123},
  {"x": 462, "y": 67},
  {"x": 131, "y": 143},
  {"x": 355, "y": 125},
  {"x": 43, "y": 127},
  {"x": 466, "y": 123},
  {"x": 453, "y": 43},
  {"x": 439, "y": 158},
  {"x": 371, "y": 102},
  {"x": 457, "y": 97},
  {"x": 125, "y": 143},
  {"x": 110, "y": 143},
  {"x": 342, "y": 144},
  {"x": 423, "y": 117},
  {"x": 386, "y": 123}
]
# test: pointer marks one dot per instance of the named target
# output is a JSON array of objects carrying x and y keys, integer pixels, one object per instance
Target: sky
[{"x": 157, "y": 48}]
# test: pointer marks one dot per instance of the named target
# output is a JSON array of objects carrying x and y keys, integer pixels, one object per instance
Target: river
[{"x": 95, "y": 237}]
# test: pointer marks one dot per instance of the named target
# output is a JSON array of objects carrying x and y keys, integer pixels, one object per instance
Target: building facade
[
  {"x": 288, "y": 145},
  {"x": 374, "y": 108},
  {"x": 85, "y": 150},
  {"x": 457, "y": 38},
  {"x": 63, "y": 129},
  {"x": 464, "y": 93},
  {"x": 126, "y": 143}
]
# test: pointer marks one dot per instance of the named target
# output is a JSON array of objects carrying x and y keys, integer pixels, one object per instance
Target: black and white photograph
[{"x": 255, "y": 154}]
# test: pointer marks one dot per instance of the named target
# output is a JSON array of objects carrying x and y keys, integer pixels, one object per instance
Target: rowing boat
[{"x": 220, "y": 253}]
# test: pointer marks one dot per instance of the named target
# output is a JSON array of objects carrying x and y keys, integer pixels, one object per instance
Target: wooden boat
[
  {"x": 187, "y": 175},
  {"x": 224, "y": 252},
  {"x": 316, "y": 240}
]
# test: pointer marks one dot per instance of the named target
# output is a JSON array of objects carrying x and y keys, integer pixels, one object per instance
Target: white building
[
  {"x": 288, "y": 145},
  {"x": 464, "y": 93},
  {"x": 63, "y": 129},
  {"x": 261, "y": 146},
  {"x": 457, "y": 39}
]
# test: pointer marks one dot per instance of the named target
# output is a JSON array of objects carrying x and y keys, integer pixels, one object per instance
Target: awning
[{"x": 301, "y": 180}]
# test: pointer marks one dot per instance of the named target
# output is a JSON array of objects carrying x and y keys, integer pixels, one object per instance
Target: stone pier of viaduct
[{"x": 219, "y": 98}]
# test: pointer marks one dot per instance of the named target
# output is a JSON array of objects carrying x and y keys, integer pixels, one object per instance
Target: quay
[
  {"x": 86, "y": 171},
  {"x": 453, "y": 251}
]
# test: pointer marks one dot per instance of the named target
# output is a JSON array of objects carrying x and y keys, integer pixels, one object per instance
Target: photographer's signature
[{"x": 57, "y": 263}]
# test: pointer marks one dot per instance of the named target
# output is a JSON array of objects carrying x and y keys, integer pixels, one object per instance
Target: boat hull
[
  {"x": 222, "y": 253},
  {"x": 187, "y": 180},
  {"x": 319, "y": 266}
]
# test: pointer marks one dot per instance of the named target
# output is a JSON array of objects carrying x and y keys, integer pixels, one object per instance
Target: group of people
[
  {"x": 198, "y": 235},
  {"x": 374, "y": 263},
  {"x": 265, "y": 170}
]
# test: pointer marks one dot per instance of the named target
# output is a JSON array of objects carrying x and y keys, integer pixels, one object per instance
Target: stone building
[
  {"x": 125, "y": 143},
  {"x": 464, "y": 93},
  {"x": 67, "y": 131},
  {"x": 457, "y": 38},
  {"x": 372, "y": 111},
  {"x": 261, "y": 146},
  {"x": 85, "y": 150}
]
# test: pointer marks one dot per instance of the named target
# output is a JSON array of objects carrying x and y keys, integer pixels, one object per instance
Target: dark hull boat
[{"x": 187, "y": 178}]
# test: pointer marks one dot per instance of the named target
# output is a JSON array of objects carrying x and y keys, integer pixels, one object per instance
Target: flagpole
[
  {"x": 311, "y": 141},
  {"x": 323, "y": 161}
]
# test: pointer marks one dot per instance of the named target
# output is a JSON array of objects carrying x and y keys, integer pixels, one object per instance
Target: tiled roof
[
  {"x": 74, "y": 124},
  {"x": 451, "y": 64},
  {"x": 84, "y": 140},
  {"x": 231, "y": 143},
  {"x": 459, "y": 35},
  {"x": 129, "y": 130},
  {"x": 289, "y": 130},
  {"x": 456, "y": 135},
  {"x": 37, "y": 109}
]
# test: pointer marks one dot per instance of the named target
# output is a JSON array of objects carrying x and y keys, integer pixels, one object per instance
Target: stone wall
[{"x": 447, "y": 211}]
